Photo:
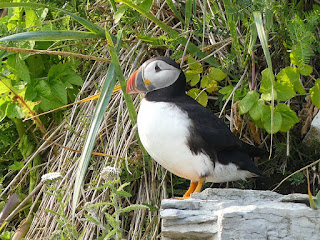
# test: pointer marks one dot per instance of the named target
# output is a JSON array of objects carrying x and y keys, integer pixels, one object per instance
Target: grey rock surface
[
  {"x": 313, "y": 135},
  {"x": 233, "y": 214}
]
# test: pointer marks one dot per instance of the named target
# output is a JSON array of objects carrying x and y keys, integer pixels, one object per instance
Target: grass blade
[
  {"x": 97, "y": 118},
  {"x": 188, "y": 12},
  {"x": 175, "y": 11},
  {"x": 263, "y": 38},
  {"x": 192, "y": 49},
  {"x": 50, "y": 36}
]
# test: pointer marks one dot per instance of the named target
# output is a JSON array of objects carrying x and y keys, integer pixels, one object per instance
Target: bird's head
[{"x": 156, "y": 73}]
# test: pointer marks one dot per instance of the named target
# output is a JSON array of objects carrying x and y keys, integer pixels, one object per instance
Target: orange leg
[
  {"x": 191, "y": 189},
  {"x": 199, "y": 186}
]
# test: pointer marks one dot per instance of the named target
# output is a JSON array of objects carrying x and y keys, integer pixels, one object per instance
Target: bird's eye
[{"x": 157, "y": 69}]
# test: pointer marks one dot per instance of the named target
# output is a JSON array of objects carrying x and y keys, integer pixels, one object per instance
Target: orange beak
[{"x": 136, "y": 83}]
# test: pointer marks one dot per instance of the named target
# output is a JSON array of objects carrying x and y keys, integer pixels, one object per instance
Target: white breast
[{"x": 163, "y": 130}]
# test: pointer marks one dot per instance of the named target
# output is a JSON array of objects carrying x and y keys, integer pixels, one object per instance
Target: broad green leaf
[
  {"x": 299, "y": 88},
  {"x": 267, "y": 83},
  {"x": 285, "y": 90},
  {"x": 31, "y": 18},
  {"x": 315, "y": 95},
  {"x": 271, "y": 126},
  {"x": 216, "y": 74},
  {"x": 14, "y": 110},
  {"x": 193, "y": 92},
  {"x": 5, "y": 85},
  {"x": 17, "y": 66},
  {"x": 205, "y": 81},
  {"x": 256, "y": 110},
  {"x": 202, "y": 98},
  {"x": 305, "y": 70},
  {"x": 194, "y": 65},
  {"x": 289, "y": 117},
  {"x": 194, "y": 79},
  {"x": 248, "y": 101},
  {"x": 50, "y": 36},
  {"x": 289, "y": 74},
  {"x": 59, "y": 91}
]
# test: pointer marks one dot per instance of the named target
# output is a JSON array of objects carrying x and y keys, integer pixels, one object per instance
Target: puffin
[{"x": 180, "y": 134}]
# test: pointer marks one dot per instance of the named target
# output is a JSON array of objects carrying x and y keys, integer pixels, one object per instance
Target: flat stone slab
[{"x": 234, "y": 214}]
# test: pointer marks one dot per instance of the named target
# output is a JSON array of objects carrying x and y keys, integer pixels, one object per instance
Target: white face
[{"x": 159, "y": 74}]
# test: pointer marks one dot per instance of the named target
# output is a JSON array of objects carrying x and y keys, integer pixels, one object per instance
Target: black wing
[{"x": 211, "y": 134}]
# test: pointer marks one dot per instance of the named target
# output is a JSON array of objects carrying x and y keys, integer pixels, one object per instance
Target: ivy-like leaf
[
  {"x": 289, "y": 74},
  {"x": 266, "y": 119},
  {"x": 248, "y": 101},
  {"x": 194, "y": 65},
  {"x": 18, "y": 67},
  {"x": 284, "y": 90},
  {"x": 289, "y": 117},
  {"x": 216, "y": 74},
  {"x": 256, "y": 110}
]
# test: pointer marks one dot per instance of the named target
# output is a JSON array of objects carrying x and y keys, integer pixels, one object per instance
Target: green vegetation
[{"x": 256, "y": 63}]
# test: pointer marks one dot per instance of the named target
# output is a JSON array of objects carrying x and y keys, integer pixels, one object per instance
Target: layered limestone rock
[{"x": 233, "y": 214}]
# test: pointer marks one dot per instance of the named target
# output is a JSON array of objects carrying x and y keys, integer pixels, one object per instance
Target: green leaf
[
  {"x": 146, "y": 5},
  {"x": 202, "y": 98},
  {"x": 18, "y": 67},
  {"x": 289, "y": 117},
  {"x": 294, "y": 58},
  {"x": 315, "y": 95},
  {"x": 50, "y": 36},
  {"x": 122, "y": 193},
  {"x": 16, "y": 166},
  {"x": 271, "y": 126},
  {"x": 194, "y": 65},
  {"x": 194, "y": 79},
  {"x": 289, "y": 74},
  {"x": 216, "y": 74},
  {"x": 317, "y": 200},
  {"x": 3, "y": 109},
  {"x": 59, "y": 91},
  {"x": 257, "y": 109},
  {"x": 267, "y": 84},
  {"x": 226, "y": 91},
  {"x": 31, "y": 18},
  {"x": 205, "y": 81},
  {"x": 193, "y": 92},
  {"x": 305, "y": 70},
  {"x": 285, "y": 90},
  {"x": 133, "y": 207},
  {"x": 248, "y": 101},
  {"x": 14, "y": 110}
]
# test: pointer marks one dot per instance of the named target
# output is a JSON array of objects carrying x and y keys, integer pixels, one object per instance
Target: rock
[
  {"x": 233, "y": 214},
  {"x": 313, "y": 135}
]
